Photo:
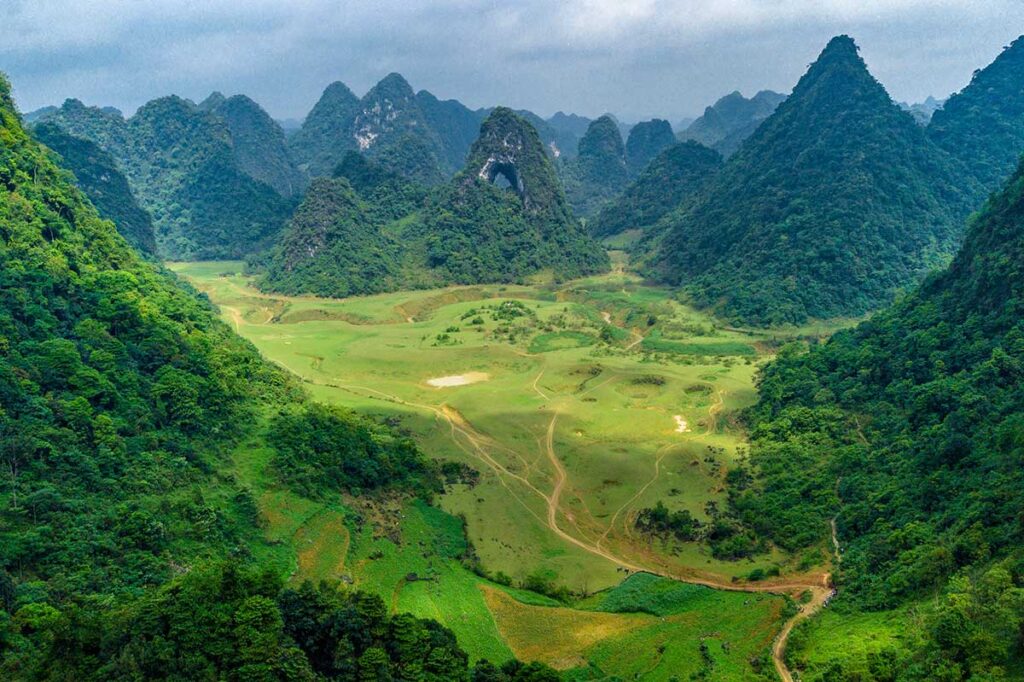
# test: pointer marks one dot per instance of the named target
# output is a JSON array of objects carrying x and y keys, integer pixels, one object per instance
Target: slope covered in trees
[
  {"x": 258, "y": 143},
  {"x": 732, "y": 119},
  {"x": 326, "y": 134},
  {"x": 122, "y": 393},
  {"x": 983, "y": 125},
  {"x": 908, "y": 429},
  {"x": 179, "y": 161},
  {"x": 835, "y": 203},
  {"x": 669, "y": 183},
  {"x": 599, "y": 172},
  {"x": 97, "y": 175},
  {"x": 371, "y": 229}
]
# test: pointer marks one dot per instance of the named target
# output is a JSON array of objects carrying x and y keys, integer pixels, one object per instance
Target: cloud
[{"x": 636, "y": 57}]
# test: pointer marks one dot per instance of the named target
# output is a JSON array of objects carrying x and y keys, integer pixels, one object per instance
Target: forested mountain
[
  {"x": 371, "y": 229},
  {"x": 97, "y": 175},
  {"x": 983, "y": 125},
  {"x": 326, "y": 134},
  {"x": 476, "y": 231},
  {"x": 122, "y": 396},
  {"x": 646, "y": 140},
  {"x": 669, "y": 183},
  {"x": 333, "y": 246},
  {"x": 836, "y": 202},
  {"x": 573, "y": 124},
  {"x": 180, "y": 162},
  {"x": 454, "y": 123},
  {"x": 258, "y": 143},
  {"x": 732, "y": 119},
  {"x": 599, "y": 172},
  {"x": 909, "y": 430}
]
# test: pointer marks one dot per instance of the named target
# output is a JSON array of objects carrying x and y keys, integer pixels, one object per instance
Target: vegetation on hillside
[
  {"x": 97, "y": 175},
  {"x": 599, "y": 172},
  {"x": 180, "y": 163},
  {"x": 645, "y": 142},
  {"x": 836, "y": 203},
  {"x": 907, "y": 430},
  {"x": 669, "y": 183},
  {"x": 983, "y": 125},
  {"x": 731, "y": 120}
]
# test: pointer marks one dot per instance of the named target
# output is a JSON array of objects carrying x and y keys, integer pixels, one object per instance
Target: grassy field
[{"x": 579, "y": 404}]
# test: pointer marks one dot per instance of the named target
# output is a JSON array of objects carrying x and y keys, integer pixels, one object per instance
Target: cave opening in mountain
[{"x": 506, "y": 176}]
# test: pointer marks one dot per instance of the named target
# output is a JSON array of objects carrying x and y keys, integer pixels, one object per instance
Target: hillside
[
  {"x": 668, "y": 183},
  {"x": 646, "y": 140},
  {"x": 96, "y": 174},
  {"x": 259, "y": 144},
  {"x": 454, "y": 123},
  {"x": 479, "y": 232},
  {"x": 129, "y": 542},
  {"x": 180, "y": 163},
  {"x": 599, "y": 172},
  {"x": 983, "y": 124},
  {"x": 907, "y": 429},
  {"x": 326, "y": 133},
  {"x": 728, "y": 122},
  {"x": 836, "y": 202}
]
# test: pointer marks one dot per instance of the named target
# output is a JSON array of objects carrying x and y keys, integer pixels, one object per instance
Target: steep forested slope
[
  {"x": 326, "y": 134},
  {"x": 599, "y": 172},
  {"x": 259, "y": 145},
  {"x": 97, "y": 175},
  {"x": 910, "y": 428},
  {"x": 983, "y": 125},
  {"x": 180, "y": 163},
  {"x": 669, "y": 183},
  {"x": 455, "y": 124},
  {"x": 126, "y": 538},
  {"x": 477, "y": 232},
  {"x": 836, "y": 202}
]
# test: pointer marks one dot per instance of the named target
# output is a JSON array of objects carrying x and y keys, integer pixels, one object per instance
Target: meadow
[{"x": 579, "y": 404}]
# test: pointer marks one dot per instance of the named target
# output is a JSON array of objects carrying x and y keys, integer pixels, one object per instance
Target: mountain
[
  {"x": 332, "y": 246},
  {"x": 572, "y": 124},
  {"x": 132, "y": 547},
  {"x": 646, "y": 140},
  {"x": 36, "y": 114},
  {"x": 96, "y": 174},
  {"x": 454, "y": 123},
  {"x": 326, "y": 133},
  {"x": 907, "y": 430},
  {"x": 181, "y": 164},
  {"x": 479, "y": 232},
  {"x": 258, "y": 143},
  {"x": 923, "y": 111},
  {"x": 983, "y": 125},
  {"x": 670, "y": 182},
  {"x": 732, "y": 119},
  {"x": 599, "y": 172},
  {"x": 835, "y": 203}
]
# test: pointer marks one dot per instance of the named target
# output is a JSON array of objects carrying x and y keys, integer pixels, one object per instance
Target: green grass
[{"x": 544, "y": 343}]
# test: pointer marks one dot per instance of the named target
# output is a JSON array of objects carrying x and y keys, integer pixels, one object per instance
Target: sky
[{"x": 635, "y": 58}]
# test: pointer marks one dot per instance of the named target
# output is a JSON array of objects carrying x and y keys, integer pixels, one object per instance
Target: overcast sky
[{"x": 635, "y": 58}]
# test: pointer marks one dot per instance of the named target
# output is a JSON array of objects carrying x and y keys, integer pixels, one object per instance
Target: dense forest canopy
[
  {"x": 599, "y": 171},
  {"x": 908, "y": 430}
]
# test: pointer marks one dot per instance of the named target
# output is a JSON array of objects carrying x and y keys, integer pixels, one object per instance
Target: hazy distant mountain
[
  {"x": 835, "y": 202},
  {"x": 326, "y": 133},
  {"x": 668, "y": 183},
  {"x": 570, "y": 123},
  {"x": 923, "y": 111},
  {"x": 180, "y": 162},
  {"x": 983, "y": 125},
  {"x": 599, "y": 172},
  {"x": 454, "y": 123},
  {"x": 97, "y": 175},
  {"x": 646, "y": 140},
  {"x": 725, "y": 124}
]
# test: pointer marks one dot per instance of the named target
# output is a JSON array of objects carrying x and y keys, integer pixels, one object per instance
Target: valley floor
[{"x": 579, "y": 405}]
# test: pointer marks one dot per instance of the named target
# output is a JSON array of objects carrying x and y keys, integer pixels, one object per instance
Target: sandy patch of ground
[
  {"x": 458, "y": 379},
  {"x": 681, "y": 426}
]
